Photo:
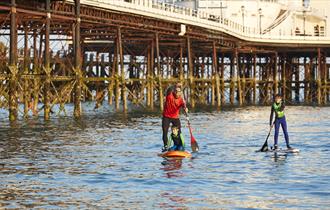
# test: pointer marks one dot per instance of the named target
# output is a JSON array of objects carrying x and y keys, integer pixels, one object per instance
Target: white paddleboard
[{"x": 281, "y": 150}]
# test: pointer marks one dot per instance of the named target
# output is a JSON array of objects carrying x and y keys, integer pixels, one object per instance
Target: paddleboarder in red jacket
[{"x": 173, "y": 103}]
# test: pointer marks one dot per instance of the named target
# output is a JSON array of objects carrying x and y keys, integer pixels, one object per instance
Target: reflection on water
[
  {"x": 173, "y": 200},
  {"x": 279, "y": 158},
  {"x": 108, "y": 161},
  {"x": 172, "y": 168}
]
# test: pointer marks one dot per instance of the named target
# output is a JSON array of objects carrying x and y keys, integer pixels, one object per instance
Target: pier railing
[{"x": 189, "y": 16}]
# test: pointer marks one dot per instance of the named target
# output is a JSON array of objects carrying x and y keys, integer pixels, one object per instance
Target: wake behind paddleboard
[{"x": 175, "y": 154}]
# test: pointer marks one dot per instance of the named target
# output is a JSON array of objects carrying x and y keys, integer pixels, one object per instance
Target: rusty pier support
[
  {"x": 122, "y": 70},
  {"x": 46, "y": 67},
  {"x": 159, "y": 73},
  {"x": 217, "y": 76},
  {"x": 77, "y": 63},
  {"x": 13, "y": 71},
  {"x": 191, "y": 71},
  {"x": 26, "y": 94}
]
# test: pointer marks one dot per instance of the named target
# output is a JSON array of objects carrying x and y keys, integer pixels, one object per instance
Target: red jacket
[{"x": 172, "y": 106}]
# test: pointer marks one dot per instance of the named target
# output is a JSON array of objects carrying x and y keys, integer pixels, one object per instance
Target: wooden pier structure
[{"x": 53, "y": 53}]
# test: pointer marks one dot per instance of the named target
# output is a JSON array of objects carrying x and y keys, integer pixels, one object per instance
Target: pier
[{"x": 120, "y": 53}]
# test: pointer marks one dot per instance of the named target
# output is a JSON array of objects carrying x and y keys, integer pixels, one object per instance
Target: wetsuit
[
  {"x": 171, "y": 113},
  {"x": 278, "y": 109},
  {"x": 178, "y": 142}
]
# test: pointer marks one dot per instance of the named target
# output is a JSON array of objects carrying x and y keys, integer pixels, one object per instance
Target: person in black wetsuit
[
  {"x": 278, "y": 109},
  {"x": 176, "y": 138}
]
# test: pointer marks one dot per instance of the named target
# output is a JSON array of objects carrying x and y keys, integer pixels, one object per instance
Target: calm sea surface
[{"x": 109, "y": 161}]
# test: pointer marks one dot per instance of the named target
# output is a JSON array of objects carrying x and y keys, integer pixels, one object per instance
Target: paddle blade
[
  {"x": 264, "y": 147},
  {"x": 194, "y": 145},
  {"x": 193, "y": 142}
]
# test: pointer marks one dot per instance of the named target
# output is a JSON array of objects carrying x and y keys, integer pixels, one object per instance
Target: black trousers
[{"x": 166, "y": 124}]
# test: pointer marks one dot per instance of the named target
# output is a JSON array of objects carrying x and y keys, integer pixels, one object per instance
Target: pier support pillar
[
  {"x": 238, "y": 76},
  {"x": 152, "y": 73},
  {"x": 148, "y": 76},
  {"x": 26, "y": 93},
  {"x": 159, "y": 74},
  {"x": 309, "y": 80},
  {"x": 13, "y": 106},
  {"x": 111, "y": 78},
  {"x": 268, "y": 72},
  {"x": 306, "y": 81},
  {"x": 181, "y": 73},
  {"x": 36, "y": 80},
  {"x": 47, "y": 69},
  {"x": 191, "y": 73},
  {"x": 244, "y": 70},
  {"x": 324, "y": 77},
  {"x": 254, "y": 79},
  {"x": 275, "y": 60},
  {"x": 284, "y": 77},
  {"x": 122, "y": 70},
  {"x": 297, "y": 82},
  {"x": 215, "y": 75},
  {"x": 319, "y": 76},
  {"x": 232, "y": 79},
  {"x": 222, "y": 79},
  {"x": 116, "y": 75},
  {"x": 77, "y": 63}
]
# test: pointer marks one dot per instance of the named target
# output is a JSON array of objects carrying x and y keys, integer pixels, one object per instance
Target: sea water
[{"x": 109, "y": 161}]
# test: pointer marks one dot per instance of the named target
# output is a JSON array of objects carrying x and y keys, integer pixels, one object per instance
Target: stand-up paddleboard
[
  {"x": 280, "y": 150},
  {"x": 175, "y": 154}
]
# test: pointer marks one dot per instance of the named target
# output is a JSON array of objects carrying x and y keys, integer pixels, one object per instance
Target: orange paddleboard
[{"x": 176, "y": 154}]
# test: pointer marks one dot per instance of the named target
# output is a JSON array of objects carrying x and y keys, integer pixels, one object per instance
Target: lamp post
[
  {"x": 325, "y": 25},
  {"x": 260, "y": 14},
  {"x": 304, "y": 26},
  {"x": 221, "y": 11},
  {"x": 243, "y": 9}
]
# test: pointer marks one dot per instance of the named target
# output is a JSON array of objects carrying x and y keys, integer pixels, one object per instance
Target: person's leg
[
  {"x": 165, "y": 126},
  {"x": 277, "y": 128},
  {"x": 285, "y": 131},
  {"x": 180, "y": 148},
  {"x": 172, "y": 148},
  {"x": 177, "y": 123},
  {"x": 176, "y": 148}
]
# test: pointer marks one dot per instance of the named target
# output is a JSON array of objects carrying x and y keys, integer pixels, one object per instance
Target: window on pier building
[{"x": 317, "y": 30}]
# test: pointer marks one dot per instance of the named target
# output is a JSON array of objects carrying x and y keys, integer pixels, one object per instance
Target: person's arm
[
  {"x": 271, "y": 116},
  {"x": 169, "y": 142},
  {"x": 182, "y": 139},
  {"x": 184, "y": 105}
]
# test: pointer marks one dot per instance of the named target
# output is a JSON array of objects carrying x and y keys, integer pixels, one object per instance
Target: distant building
[{"x": 277, "y": 17}]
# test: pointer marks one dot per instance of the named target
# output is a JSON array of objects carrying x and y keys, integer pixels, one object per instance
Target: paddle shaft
[
  {"x": 193, "y": 142},
  {"x": 189, "y": 127},
  {"x": 266, "y": 141}
]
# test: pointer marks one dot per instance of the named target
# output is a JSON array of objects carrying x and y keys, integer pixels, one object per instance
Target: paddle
[
  {"x": 264, "y": 147},
  {"x": 193, "y": 142}
]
